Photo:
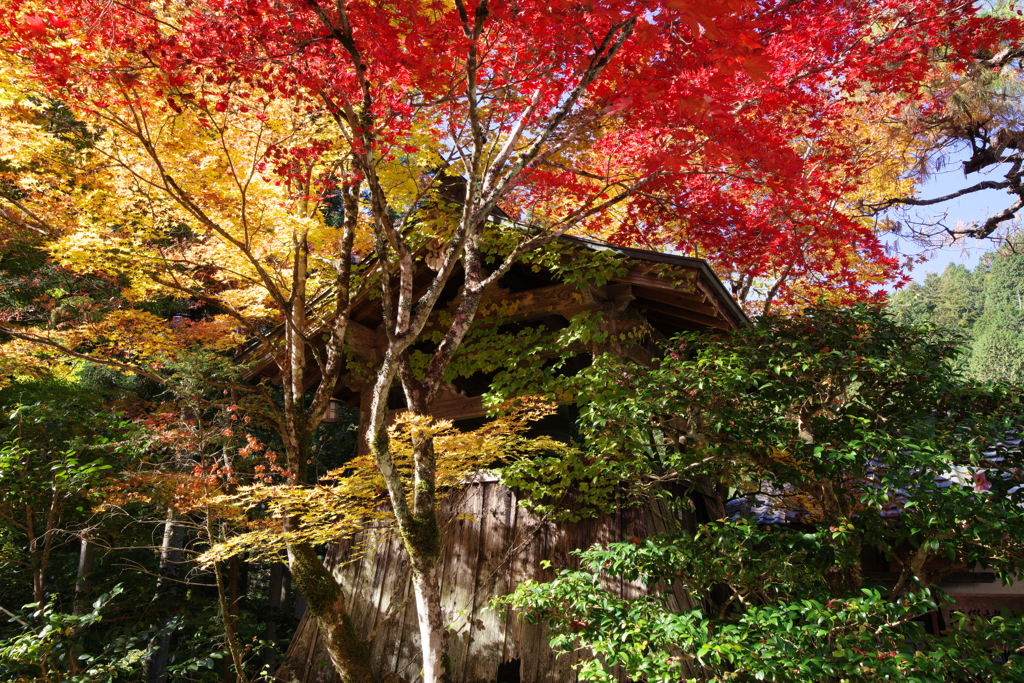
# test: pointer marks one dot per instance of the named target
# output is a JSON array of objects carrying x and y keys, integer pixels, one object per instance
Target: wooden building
[{"x": 490, "y": 543}]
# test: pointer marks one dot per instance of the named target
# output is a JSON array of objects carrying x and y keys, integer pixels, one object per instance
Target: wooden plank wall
[{"x": 491, "y": 544}]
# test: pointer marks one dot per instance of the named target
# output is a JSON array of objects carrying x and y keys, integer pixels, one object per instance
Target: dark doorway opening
[{"x": 508, "y": 672}]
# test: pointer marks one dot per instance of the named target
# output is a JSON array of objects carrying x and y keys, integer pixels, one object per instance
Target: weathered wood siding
[{"x": 491, "y": 544}]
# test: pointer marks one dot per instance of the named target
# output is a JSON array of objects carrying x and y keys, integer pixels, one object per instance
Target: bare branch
[{"x": 911, "y": 201}]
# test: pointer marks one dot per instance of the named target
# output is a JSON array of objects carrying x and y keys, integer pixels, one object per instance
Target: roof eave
[{"x": 686, "y": 261}]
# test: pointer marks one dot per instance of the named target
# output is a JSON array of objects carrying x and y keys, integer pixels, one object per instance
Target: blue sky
[{"x": 973, "y": 207}]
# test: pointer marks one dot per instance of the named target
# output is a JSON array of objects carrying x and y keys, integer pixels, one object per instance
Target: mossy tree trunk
[{"x": 348, "y": 653}]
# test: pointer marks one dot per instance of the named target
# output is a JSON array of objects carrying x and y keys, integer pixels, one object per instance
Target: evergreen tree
[
  {"x": 959, "y": 300},
  {"x": 952, "y": 301},
  {"x": 997, "y": 351},
  {"x": 914, "y": 305},
  {"x": 983, "y": 306}
]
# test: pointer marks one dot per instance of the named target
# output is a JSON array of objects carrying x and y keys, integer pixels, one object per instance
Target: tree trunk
[
  {"x": 431, "y": 623},
  {"x": 244, "y": 567},
  {"x": 170, "y": 556},
  {"x": 288, "y": 592},
  {"x": 275, "y": 610},
  {"x": 422, "y": 536},
  {"x": 83, "y": 586},
  {"x": 349, "y": 655},
  {"x": 83, "y": 580},
  {"x": 231, "y": 620}
]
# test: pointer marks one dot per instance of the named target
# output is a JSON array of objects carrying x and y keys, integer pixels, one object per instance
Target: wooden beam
[
  {"x": 564, "y": 300},
  {"x": 699, "y": 291},
  {"x": 363, "y": 342},
  {"x": 461, "y": 408},
  {"x": 684, "y": 314},
  {"x": 722, "y": 310},
  {"x": 612, "y": 298},
  {"x": 266, "y": 361},
  {"x": 449, "y": 404},
  {"x": 638, "y": 277},
  {"x": 673, "y": 298},
  {"x": 669, "y": 325}
]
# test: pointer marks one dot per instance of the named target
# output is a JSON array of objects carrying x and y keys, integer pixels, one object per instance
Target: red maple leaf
[{"x": 35, "y": 26}]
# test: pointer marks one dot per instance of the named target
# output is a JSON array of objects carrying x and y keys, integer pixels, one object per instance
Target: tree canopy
[{"x": 646, "y": 107}]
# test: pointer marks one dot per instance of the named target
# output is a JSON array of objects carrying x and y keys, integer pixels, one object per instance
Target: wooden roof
[
  {"x": 671, "y": 293},
  {"x": 653, "y": 290}
]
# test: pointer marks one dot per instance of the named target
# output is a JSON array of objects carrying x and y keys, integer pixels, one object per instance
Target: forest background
[{"x": 982, "y": 306}]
